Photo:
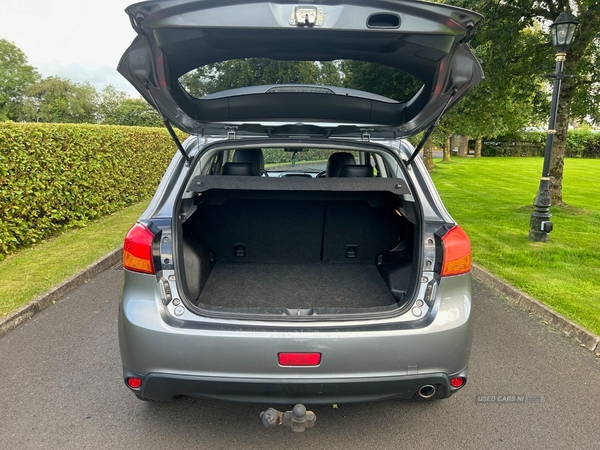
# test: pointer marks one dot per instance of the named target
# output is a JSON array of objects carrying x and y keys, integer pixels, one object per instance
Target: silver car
[{"x": 331, "y": 275}]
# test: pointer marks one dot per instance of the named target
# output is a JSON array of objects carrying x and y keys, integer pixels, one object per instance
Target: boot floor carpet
[{"x": 297, "y": 286}]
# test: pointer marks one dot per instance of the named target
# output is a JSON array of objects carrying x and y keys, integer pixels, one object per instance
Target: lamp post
[{"x": 562, "y": 31}]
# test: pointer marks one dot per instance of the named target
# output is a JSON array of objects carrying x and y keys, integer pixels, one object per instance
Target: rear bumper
[
  {"x": 233, "y": 361},
  {"x": 163, "y": 387}
]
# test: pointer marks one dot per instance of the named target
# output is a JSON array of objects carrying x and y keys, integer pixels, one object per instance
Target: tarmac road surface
[{"x": 61, "y": 388}]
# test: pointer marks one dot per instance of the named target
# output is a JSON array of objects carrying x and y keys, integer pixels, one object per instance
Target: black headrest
[
  {"x": 253, "y": 156},
  {"x": 338, "y": 160},
  {"x": 355, "y": 171},
  {"x": 240, "y": 169}
]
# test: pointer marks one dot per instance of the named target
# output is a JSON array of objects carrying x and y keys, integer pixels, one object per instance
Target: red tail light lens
[
  {"x": 137, "y": 250},
  {"x": 299, "y": 359},
  {"x": 457, "y": 252}
]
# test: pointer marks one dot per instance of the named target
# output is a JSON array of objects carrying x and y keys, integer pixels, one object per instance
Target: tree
[
  {"x": 379, "y": 79},
  {"x": 258, "y": 71},
  {"x": 15, "y": 75},
  {"x": 579, "y": 96},
  {"x": 428, "y": 155},
  {"x": 55, "y": 99},
  {"x": 117, "y": 108},
  {"x": 513, "y": 94},
  {"x": 330, "y": 73},
  {"x": 198, "y": 82},
  {"x": 136, "y": 112},
  {"x": 110, "y": 100}
]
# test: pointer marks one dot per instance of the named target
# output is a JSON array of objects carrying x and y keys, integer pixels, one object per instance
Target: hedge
[
  {"x": 59, "y": 176},
  {"x": 583, "y": 144},
  {"x": 580, "y": 144},
  {"x": 278, "y": 155}
]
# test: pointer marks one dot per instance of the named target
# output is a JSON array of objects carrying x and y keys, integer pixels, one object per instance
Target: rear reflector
[
  {"x": 457, "y": 252},
  {"x": 299, "y": 359},
  {"x": 137, "y": 250},
  {"x": 457, "y": 382},
  {"x": 134, "y": 383}
]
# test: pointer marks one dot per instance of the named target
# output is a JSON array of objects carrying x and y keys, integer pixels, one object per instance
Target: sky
[{"x": 81, "y": 40}]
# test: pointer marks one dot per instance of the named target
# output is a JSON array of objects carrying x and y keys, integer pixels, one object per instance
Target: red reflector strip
[{"x": 299, "y": 359}]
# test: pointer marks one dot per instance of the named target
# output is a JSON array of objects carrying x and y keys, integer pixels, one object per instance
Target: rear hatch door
[{"x": 426, "y": 40}]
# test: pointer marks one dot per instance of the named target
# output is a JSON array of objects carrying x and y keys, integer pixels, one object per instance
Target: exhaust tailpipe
[{"x": 427, "y": 391}]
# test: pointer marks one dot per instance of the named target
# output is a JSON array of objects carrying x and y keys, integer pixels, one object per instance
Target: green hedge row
[
  {"x": 583, "y": 144},
  {"x": 277, "y": 155},
  {"x": 580, "y": 144},
  {"x": 59, "y": 176}
]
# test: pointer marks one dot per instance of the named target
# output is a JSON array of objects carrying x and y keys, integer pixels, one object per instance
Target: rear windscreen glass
[{"x": 370, "y": 77}]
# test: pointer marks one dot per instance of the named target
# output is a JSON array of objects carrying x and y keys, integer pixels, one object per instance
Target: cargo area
[
  {"x": 295, "y": 286},
  {"x": 298, "y": 253}
]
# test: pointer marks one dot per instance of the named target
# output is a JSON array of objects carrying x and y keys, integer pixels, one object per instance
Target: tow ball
[{"x": 298, "y": 419}]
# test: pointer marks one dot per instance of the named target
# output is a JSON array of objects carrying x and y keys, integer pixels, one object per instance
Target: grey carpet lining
[{"x": 298, "y": 286}]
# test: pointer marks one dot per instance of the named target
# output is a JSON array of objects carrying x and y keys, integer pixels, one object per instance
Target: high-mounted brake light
[
  {"x": 137, "y": 250},
  {"x": 299, "y": 359},
  {"x": 457, "y": 252}
]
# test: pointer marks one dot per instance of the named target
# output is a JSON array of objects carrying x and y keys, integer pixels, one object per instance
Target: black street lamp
[{"x": 562, "y": 31}]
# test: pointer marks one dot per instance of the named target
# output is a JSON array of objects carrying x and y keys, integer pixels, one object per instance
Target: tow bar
[{"x": 298, "y": 419}]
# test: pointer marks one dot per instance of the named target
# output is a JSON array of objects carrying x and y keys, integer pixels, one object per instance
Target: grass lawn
[
  {"x": 32, "y": 271},
  {"x": 491, "y": 198}
]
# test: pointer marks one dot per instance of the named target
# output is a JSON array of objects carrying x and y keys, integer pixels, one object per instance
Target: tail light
[
  {"x": 457, "y": 252},
  {"x": 137, "y": 250}
]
